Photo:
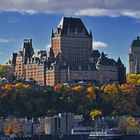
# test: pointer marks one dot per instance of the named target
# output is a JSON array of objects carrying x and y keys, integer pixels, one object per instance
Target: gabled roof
[
  {"x": 72, "y": 25},
  {"x": 105, "y": 61}
]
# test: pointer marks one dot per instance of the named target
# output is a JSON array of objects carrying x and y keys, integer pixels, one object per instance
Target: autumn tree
[
  {"x": 78, "y": 88},
  {"x": 128, "y": 125},
  {"x": 12, "y": 127},
  {"x": 132, "y": 125},
  {"x": 91, "y": 93},
  {"x": 133, "y": 79},
  {"x": 94, "y": 113}
]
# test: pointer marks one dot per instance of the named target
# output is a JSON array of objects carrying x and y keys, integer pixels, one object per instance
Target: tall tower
[
  {"x": 27, "y": 49},
  {"x": 22, "y": 57},
  {"x": 134, "y": 57},
  {"x": 72, "y": 40}
]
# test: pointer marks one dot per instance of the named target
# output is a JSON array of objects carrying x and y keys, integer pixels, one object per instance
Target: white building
[{"x": 60, "y": 124}]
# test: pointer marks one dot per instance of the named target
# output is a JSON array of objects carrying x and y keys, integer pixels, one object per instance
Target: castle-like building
[
  {"x": 134, "y": 57},
  {"x": 70, "y": 59}
]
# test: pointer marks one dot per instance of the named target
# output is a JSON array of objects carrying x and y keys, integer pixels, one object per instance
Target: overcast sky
[
  {"x": 111, "y": 8},
  {"x": 114, "y": 23}
]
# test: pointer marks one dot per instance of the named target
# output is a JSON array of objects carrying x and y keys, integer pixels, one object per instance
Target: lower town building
[{"x": 60, "y": 124}]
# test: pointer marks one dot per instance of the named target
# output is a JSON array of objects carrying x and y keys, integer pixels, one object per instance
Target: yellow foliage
[
  {"x": 94, "y": 113},
  {"x": 133, "y": 79},
  {"x": 3, "y": 70},
  {"x": 27, "y": 87},
  {"x": 128, "y": 124},
  {"x": 78, "y": 88},
  {"x": 131, "y": 124},
  {"x": 22, "y": 86},
  {"x": 18, "y": 85}
]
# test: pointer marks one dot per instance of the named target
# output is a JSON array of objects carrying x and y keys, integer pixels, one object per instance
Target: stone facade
[
  {"x": 69, "y": 60},
  {"x": 134, "y": 57}
]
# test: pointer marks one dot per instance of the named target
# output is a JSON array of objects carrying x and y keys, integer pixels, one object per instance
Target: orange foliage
[
  {"x": 58, "y": 87},
  {"x": 90, "y": 89},
  {"x": 18, "y": 87},
  {"x": 111, "y": 89},
  {"x": 8, "y": 87},
  {"x": 78, "y": 88},
  {"x": 91, "y": 93},
  {"x": 126, "y": 88},
  {"x": 12, "y": 127}
]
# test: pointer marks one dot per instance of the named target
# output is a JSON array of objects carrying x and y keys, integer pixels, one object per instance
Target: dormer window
[
  {"x": 79, "y": 67},
  {"x": 59, "y": 30},
  {"x": 76, "y": 30},
  {"x": 89, "y": 67},
  {"x": 68, "y": 30},
  {"x": 83, "y": 31}
]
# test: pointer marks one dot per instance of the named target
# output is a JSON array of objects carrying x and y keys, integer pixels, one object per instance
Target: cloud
[
  {"x": 98, "y": 12},
  {"x": 111, "y": 8},
  {"x": 2, "y": 40},
  {"x": 130, "y": 13},
  {"x": 99, "y": 45}
]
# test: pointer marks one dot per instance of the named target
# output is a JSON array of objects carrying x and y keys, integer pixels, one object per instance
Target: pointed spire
[
  {"x": 90, "y": 34},
  {"x": 52, "y": 33},
  {"x": 102, "y": 55},
  {"x": 119, "y": 62}
]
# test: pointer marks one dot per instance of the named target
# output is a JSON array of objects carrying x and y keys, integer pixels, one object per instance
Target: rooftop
[
  {"x": 71, "y": 25},
  {"x": 136, "y": 43}
]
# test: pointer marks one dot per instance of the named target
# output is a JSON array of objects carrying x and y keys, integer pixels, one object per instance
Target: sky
[{"x": 114, "y": 23}]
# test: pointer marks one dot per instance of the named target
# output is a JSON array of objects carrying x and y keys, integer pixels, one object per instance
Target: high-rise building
[{"x": 134, "y": 57}]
